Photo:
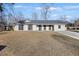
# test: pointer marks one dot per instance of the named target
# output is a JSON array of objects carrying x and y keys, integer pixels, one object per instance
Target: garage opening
[{"x": 51, "y": 27}]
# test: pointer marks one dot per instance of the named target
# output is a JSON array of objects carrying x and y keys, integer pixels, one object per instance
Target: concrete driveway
[{"x": 70, "y": 34}]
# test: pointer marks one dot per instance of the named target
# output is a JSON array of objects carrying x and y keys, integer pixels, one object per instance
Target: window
[
  {"x": 44, "y": 27},
  {"x": 59, "y": 26}
]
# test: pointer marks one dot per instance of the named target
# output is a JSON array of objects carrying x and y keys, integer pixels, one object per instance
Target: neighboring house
[
  {"x": 41, "y": 25},
  {"x": 74, "y": 26}
]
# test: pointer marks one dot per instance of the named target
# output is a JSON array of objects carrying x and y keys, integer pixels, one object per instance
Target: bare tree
[
  {"x": 9, "y": 10},
  {"x": 2, "y": 16},
  {"x": 63, "y": 17},
  {"x": 76, "y": 21},
  {"x": 45, "y": 11},
  {"x": 20, "y": 16},
  {"x": 9, "y": 14},
  {"x": 34, "y": 16},
  {"x": 1, "y": 12}
]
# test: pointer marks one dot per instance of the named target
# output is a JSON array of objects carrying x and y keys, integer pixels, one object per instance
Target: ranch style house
[{"x": 41, "y": 25}]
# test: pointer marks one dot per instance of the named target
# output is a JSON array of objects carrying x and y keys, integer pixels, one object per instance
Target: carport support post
[
  {"x": 42, "y": 27},
  {"x": 47, "y": 28},
  {"x": 55, "y": 27}
]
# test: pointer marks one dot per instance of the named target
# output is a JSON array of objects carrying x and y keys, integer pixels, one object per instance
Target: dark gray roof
[
  {"x": 45, "y": 22},
  {"x": 48, "y": 22}
]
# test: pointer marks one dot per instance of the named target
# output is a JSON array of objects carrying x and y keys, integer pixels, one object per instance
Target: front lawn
[{"x": 38, "y": 43}]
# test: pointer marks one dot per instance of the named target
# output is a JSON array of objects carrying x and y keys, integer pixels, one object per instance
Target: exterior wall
[
  {"x": 37, "y": 28},
  {"x": 34, "y": 27},
  {"x": 25, "y": 27},
  {"x": 16, "y": 27},
  {"x": 42, "y": 28},
  {"x": 47, "y": 28},
  {"x": 63, "y": 28}
]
